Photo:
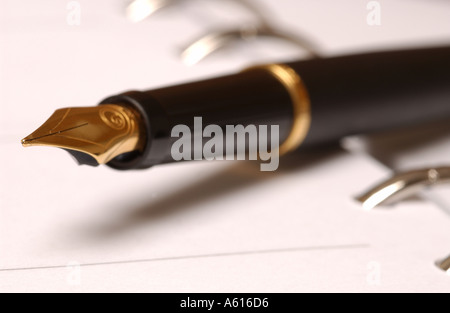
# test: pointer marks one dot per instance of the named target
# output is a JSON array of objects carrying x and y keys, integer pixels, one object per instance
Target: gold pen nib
[{"x": 103, "y": 132}]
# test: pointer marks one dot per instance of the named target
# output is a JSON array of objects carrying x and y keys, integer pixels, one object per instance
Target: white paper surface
[{"x": 200, "y": 227}]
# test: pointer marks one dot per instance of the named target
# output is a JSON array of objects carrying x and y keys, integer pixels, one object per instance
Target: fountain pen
[{"x": 311, "y": 102}]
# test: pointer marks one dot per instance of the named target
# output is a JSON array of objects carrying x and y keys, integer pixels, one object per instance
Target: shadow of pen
[
  {"x": 244, "y": 175},
  {"x": 236, "y": 177},
  {"x": 387, "y": 146}
]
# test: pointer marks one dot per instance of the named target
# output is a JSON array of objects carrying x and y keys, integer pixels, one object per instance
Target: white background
[{"x": 204, "y": 226}]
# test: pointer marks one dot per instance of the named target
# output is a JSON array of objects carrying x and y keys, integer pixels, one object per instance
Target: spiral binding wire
[{"x": 215, "y": 40}]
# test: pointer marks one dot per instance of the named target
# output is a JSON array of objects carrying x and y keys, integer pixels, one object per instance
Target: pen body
[
  {"x": 348, "y": 95},
  {"x": 373, "y": 92},
  {"x": 248, "y": 98}
]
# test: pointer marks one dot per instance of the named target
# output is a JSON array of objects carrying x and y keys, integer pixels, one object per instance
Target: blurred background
[{"x": 208, "y": 226}]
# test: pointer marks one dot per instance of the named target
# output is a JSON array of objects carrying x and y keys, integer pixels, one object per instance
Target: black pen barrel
[
  {"x": 377, "y": 91},
  {"x": 347, "y": 95},
  {"x": 249, "y": 98}
]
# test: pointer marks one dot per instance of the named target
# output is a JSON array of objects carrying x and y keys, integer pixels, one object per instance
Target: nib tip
[
  {"x": 25, "y": 142},
  {"x": 102, "y": 132}
]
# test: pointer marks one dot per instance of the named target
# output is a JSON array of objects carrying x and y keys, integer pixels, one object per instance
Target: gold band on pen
[{"x": 300, "y": 101}]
